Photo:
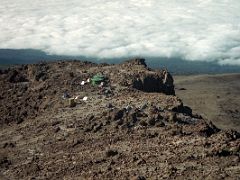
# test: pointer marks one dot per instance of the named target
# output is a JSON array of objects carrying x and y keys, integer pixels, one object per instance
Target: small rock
[
  {"x": 91, "y": 118},
  {"x": 116, "y": 114},
  {"x": 140, "y": 162},
  {"x": 88, "y": 129},
  {"x": 55, "y": 123},
  {"x": 176, "y": 131},
  {"x": 111, "y": 152},
  {"x": 4, "y": 162},
  {"x": 143, "y": 107},
  {"x": 120, "y": 122},
  {"x": 235, "y": 150},
  {"x": 208, "y": 129},
  {"x": 128, "y": 108},
  {"x": 160, "y": 124},
  {"x": 56, "y": 129},
  {"x": 106, "y": 122},
  {"x": 109, "y": 105},
  {"x": 151, "y": 121},
  {"x": 6, "y": 145},
  {"x": 77, "y": 142},
  {"x": 152, "y": 135},
  {"x": 138, "y": 178},
  {"x": 65, "y": 134},
  {"x": 19, "y": 120},
  {"x": 182, "y": 89},
  {"x": 60, "y": 138},
  {"x": 143, "y": 123},
  {"x": 97, "y": 128},
  {"x": 172, "y": 117}
]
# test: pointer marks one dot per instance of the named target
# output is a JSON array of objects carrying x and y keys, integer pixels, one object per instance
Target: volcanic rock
[{"x": 141, "y": 130}]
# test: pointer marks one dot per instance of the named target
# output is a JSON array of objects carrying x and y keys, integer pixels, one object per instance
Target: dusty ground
[
  {"x": 215, "y": 97},
  {"x": 138, "y": 129}
]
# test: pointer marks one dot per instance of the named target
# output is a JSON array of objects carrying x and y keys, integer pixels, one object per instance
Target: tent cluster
[{"x": 97, "y": 80}]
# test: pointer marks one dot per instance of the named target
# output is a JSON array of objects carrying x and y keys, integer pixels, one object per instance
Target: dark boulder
[{"x": 16, "y": 77}]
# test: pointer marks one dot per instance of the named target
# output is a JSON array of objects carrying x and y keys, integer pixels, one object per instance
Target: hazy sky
[{"x": 206, "y": 30}]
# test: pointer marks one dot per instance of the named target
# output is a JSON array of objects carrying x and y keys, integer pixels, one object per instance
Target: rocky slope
[{"x": 131, "y": 127}]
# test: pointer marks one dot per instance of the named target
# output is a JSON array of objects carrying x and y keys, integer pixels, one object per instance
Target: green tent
[{"x": 97, "y": 79}]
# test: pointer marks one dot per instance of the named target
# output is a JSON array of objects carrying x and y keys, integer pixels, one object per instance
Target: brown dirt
[
  {"x": 125, "y": 131},
  {"x": 215, "y": 97}
]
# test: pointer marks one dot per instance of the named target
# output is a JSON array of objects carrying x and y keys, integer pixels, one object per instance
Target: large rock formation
[{"x": 136, "y": 74}]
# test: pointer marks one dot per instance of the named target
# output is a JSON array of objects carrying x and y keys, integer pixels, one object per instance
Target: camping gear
[
  {"x": 66, "y": 95},
  {"x": 101, "y": 85},
  {"x": 77, "y": 97},
  {"x": 97, "y": 79},
  {"x": 82, "y": 83},
  {"x": 85, "y": 98},
  {"x": 72, "y": 102}
]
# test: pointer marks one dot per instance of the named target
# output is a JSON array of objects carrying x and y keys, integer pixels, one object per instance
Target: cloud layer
[{"x": 207, "y": 30}]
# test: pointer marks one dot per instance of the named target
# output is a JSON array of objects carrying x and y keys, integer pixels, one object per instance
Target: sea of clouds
[{"x": 206, "y": 30}]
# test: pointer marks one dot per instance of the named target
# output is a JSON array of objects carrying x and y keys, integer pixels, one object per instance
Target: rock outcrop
[{"x": 29, "y": 90}]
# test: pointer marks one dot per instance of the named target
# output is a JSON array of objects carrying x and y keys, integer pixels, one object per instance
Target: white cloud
[{"x": 207, "y": 30}]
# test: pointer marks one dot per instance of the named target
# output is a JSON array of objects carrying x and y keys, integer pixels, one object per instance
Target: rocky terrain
[{"x": 131, "y": 126}]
